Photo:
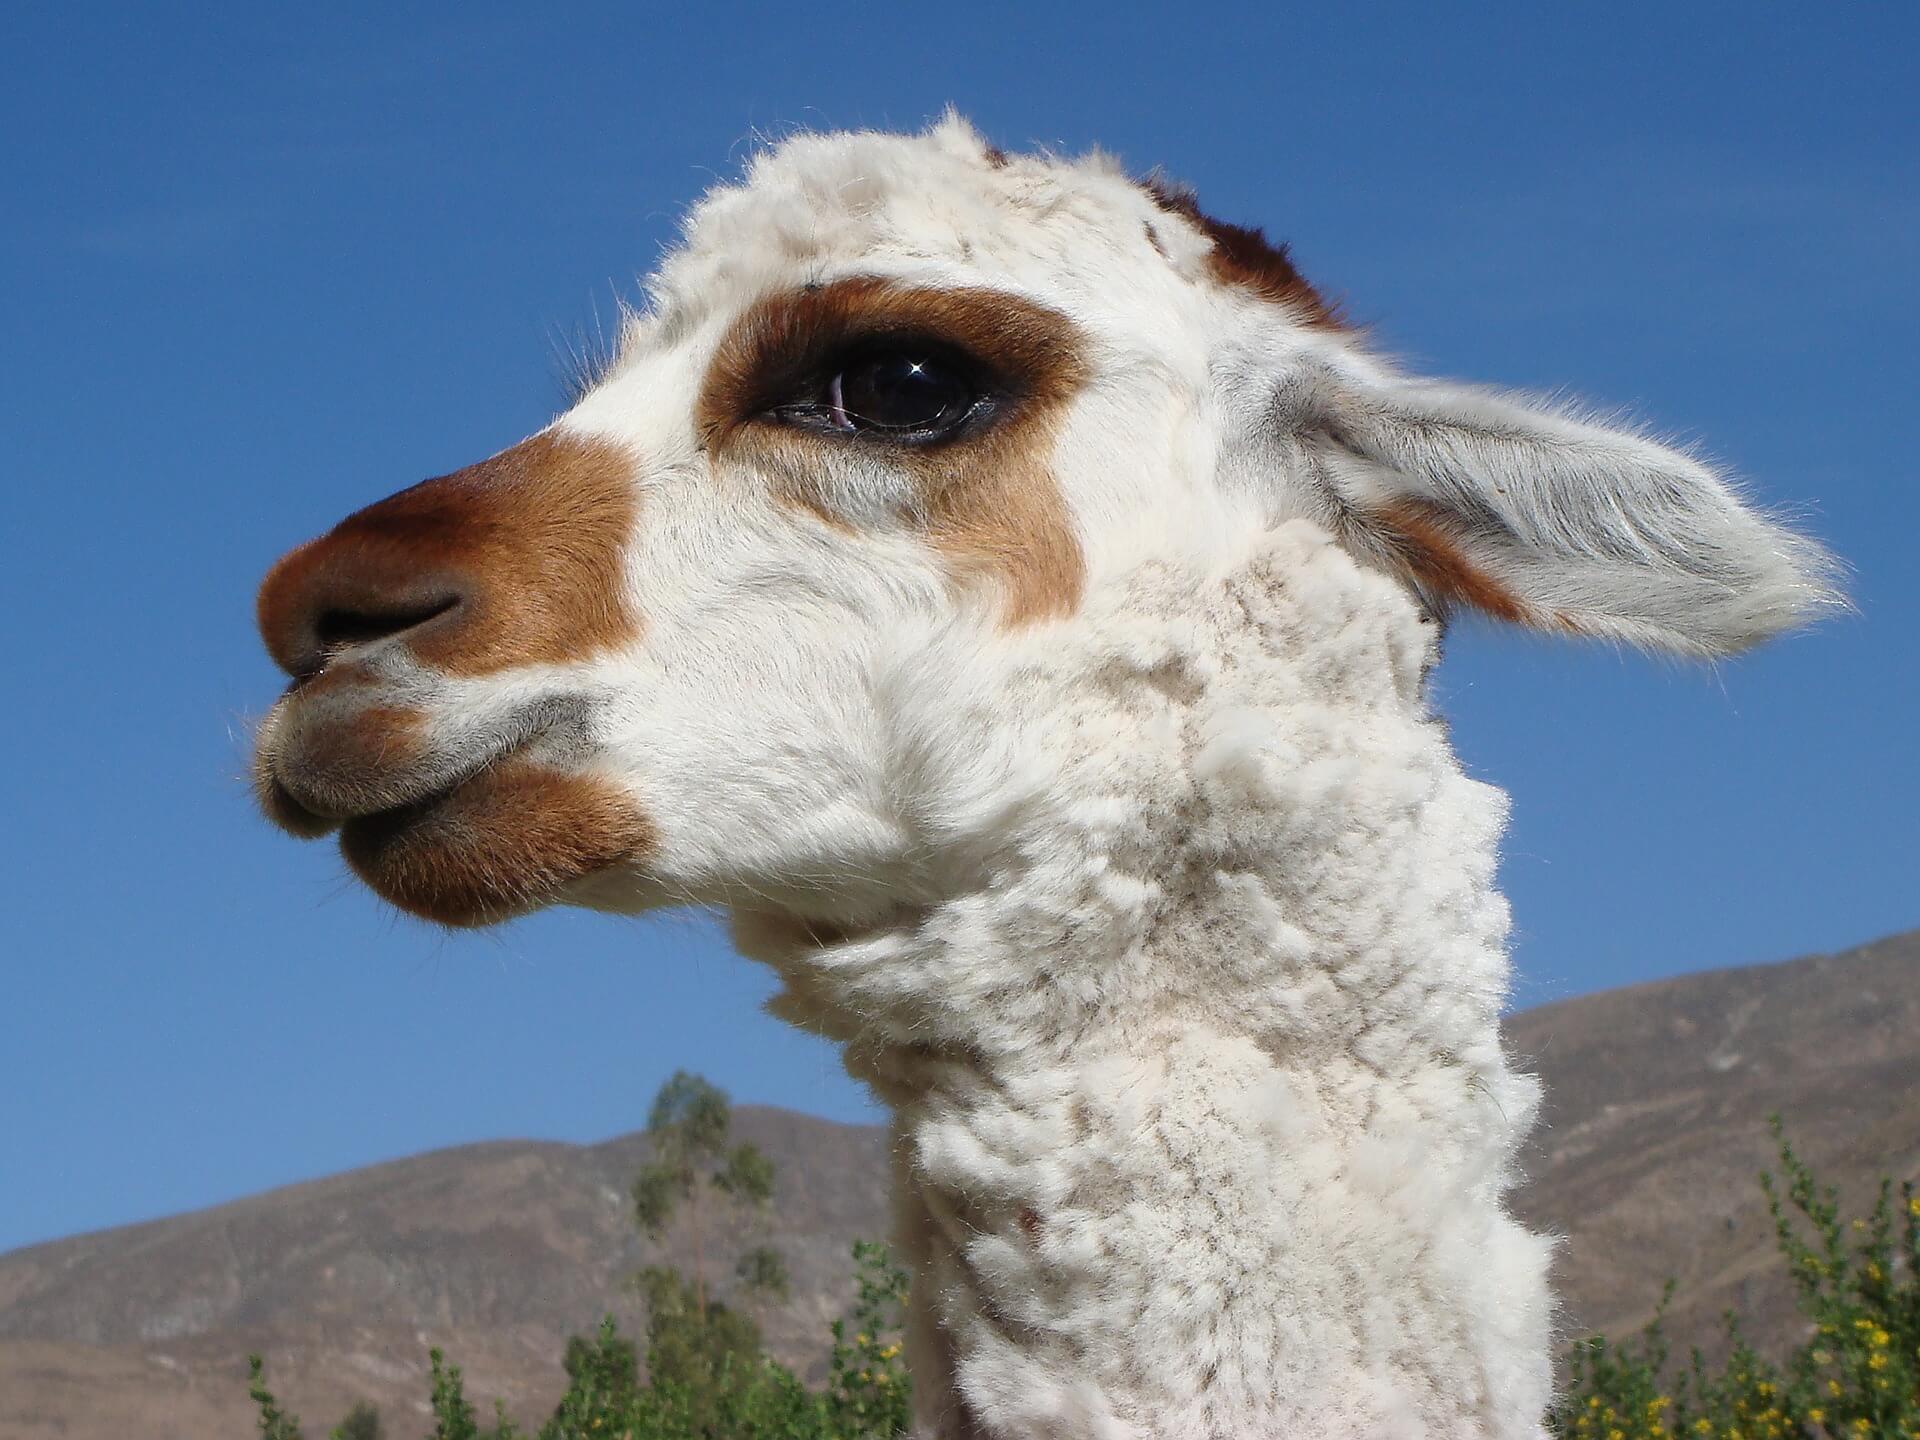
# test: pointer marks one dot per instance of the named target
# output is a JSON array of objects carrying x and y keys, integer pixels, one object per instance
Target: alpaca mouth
[
  {"x": 470, "y": 837},
  {"x": 308, "y": 821},
  {"x": 320, "y": 764}
]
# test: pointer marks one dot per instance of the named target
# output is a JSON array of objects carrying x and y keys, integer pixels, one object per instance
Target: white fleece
[{"x": 1202, "y": 1121}]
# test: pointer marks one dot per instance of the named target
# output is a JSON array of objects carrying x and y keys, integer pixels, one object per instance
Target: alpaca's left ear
[{"x": 1540, "y": 517}]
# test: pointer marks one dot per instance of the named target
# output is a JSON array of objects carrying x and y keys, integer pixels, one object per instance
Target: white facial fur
[{"x": 750, "y": 723}]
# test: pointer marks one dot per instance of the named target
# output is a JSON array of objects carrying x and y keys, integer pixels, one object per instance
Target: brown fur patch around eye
[
  {"x": 1242, "y": 255},
  {"x": 987, "y": 498},
  {"x": 1435, "y": 558},
  {"x": 531, "y": 544}
]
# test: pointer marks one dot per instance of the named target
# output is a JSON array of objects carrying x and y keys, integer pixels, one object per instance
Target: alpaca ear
[{"x": 1538, "y": 516}]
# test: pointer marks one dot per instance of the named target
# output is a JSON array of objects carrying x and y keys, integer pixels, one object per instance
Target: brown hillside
[
  {"x": 494, "y": 1252},
  {"x": 1655, "y": 1128}
]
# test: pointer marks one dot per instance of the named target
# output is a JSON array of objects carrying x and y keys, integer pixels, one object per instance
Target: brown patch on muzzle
[
  {"x": 518, "y": 560},
  {"x": 503, "y": 843}
]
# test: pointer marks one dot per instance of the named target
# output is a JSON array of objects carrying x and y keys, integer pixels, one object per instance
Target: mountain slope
[
  {"x": 1654, "y": 1129},
  {"x": 495, "y": 1252},
  {"x": 1655, "y": 1126}
]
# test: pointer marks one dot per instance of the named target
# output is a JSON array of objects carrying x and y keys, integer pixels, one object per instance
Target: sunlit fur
[{"x": 1165, "y": 926}]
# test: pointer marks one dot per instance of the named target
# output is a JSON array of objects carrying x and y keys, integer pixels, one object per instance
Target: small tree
[
  {"x": 603, "y": 1385},
  {"x": 688, "y": 1127},
  {"x": 275, "y": 1423},
  {"x": 763, "y": 1271},
  {"x": 362, "y": 1423},
  {"x": 606, "y": 1366},
  {"x": 1859, "y": 1284},
  {"x": 453, "y": 1415},
  {"x": 691, "y": 1346},
  {"x": 868, "y": 1397}
]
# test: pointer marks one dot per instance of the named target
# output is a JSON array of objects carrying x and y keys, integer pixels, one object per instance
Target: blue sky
[{"x": 257, "y": 270}]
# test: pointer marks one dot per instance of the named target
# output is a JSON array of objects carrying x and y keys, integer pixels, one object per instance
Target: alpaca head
[{"x": 907, "y": 407}]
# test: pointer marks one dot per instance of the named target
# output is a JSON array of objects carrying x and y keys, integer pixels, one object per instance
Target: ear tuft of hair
[{"x": 1541, "y": 516}]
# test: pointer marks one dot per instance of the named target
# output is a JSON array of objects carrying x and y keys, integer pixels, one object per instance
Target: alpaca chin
[{"x": 1202, "y": 1123}]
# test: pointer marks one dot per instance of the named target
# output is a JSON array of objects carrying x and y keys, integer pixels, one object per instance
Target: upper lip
[{"x": 315, "y": 805}]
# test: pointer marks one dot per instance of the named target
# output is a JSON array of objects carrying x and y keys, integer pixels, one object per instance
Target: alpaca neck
[
  {"x": 1202, "y": 1125},
  {"x": 1197, "y": 1232}
]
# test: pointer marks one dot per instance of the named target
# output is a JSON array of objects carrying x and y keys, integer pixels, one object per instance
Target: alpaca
[{"x": 1008, "y": 593}]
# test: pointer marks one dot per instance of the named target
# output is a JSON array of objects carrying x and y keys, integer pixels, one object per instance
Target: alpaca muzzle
[{"x": 457, "y": 810}]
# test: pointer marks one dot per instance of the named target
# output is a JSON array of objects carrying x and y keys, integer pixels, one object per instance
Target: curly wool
[{"x": 1202, "y": 1121}]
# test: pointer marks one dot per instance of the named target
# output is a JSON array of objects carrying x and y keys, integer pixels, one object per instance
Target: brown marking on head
[
  {"x": 987, "y": 497},
  {"x": 1242, "y": 255},
  {"x": 995, "y": 157},
  {"x": 1429, "y": 546},
  {"x": 505, "y": 842},
  {"x": 518, "y": 560}
]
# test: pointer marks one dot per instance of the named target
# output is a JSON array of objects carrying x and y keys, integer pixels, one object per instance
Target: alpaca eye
[{"x": 909, "y": 394}]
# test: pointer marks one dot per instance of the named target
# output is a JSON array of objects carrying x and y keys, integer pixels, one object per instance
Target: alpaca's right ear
[{"x": 1545, "y": 518}]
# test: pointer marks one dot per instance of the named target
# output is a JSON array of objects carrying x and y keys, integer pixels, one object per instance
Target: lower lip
[
  {"x": 443, "y": 857},
  {"x": 508, "y": 840}
]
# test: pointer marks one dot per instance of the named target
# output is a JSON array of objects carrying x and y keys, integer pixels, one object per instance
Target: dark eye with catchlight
[{"x": 916, "y": 394}]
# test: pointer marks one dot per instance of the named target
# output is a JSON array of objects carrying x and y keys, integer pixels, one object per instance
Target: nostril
[
  {"x": 336, "y": 627},
  {"x": 370, "y": 580},
  {"x": 306, "y": 640}
]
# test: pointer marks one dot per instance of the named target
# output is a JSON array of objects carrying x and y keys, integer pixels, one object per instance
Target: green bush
[
  {"x": 707, "y": 1378},
  {"x": 867, "y": 1391},
  {"x": 1856, "y": 1377},
  {"x": 275, "y": 1424}
]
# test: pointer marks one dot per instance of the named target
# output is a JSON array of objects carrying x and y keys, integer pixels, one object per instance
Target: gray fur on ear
[{"x": 1540, "y": 515}]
